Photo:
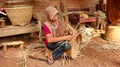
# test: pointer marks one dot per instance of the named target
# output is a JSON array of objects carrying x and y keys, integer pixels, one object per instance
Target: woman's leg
[
  {"x": 53, "y": 46},
  {"x": 58, "y": 48}
]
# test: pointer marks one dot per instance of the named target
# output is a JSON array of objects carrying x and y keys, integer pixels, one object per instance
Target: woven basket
[
  {"x": 113, "y": 33},
  {"x": 19, "y": 15},
  {"x": 75, "y": 46}
]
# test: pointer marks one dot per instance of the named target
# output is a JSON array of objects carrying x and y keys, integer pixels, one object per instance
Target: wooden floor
[
  {"x": 91, "y": 56},
  {"x": 95, "y": 51}
]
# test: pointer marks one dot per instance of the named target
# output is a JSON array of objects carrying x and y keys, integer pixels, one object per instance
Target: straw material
[
  {"x": 19, "y": 15},
  {"x": 75, "y": 45}
]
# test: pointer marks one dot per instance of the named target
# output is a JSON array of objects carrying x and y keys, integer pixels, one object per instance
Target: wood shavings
[
  {"x": 111, "y": 46},
  {"x": 108, "y": 45},
  {"x": 65, "y": 59},
  {"x": 23, "y": 55}
]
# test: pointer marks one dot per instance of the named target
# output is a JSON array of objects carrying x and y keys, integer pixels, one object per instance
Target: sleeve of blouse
[{"x": 46, "y": 30}]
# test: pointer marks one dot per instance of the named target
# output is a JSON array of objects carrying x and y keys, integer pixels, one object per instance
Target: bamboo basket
[
  {"x": 112, "y": 33},
  {"x": 75, "y": 45},
  {"x": 19, "y": 15}
]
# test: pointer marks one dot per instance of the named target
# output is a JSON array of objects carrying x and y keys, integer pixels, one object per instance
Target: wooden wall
[{"x": 40, "y": 5}]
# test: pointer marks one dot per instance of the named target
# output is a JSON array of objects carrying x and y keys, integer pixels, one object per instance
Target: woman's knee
[{"x": 67, "y": 46}]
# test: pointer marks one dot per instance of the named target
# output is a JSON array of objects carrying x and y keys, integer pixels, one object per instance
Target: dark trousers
[{"x": 58, "y": 48}]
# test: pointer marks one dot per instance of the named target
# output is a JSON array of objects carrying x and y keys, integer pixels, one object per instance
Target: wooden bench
[
  {"x": 11, "y": 30},
  {"x": 13, "y": 43}
]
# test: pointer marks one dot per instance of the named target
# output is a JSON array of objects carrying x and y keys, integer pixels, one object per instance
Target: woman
[{"x": 54, "y": 32}]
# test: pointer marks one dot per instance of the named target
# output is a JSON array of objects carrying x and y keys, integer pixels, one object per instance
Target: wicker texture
[
  {"x": 75, "y": 45},
  {"x": 19, "y": 15},
  {"x": 113, "y": 33}
]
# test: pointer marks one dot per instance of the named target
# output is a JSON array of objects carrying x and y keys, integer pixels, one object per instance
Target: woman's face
[{"x": 55, "y": 18}]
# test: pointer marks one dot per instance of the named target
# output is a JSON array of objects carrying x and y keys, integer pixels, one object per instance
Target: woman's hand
[
  {"x": 71, "y": 33},
  {"x": 51, "y": 39},
  {"x": 68, "y": 37}
]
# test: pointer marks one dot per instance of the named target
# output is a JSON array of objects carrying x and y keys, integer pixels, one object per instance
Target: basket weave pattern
[{"x": 19, "y": 15}]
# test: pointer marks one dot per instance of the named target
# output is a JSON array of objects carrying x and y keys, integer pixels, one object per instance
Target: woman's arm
[{"x": 50, "y": 39}]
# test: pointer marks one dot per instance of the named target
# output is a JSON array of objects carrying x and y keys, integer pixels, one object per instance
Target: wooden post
[
  {"x": 40, "y": 28},
  {"x": 2, "y": 23},
  {"x": 4, "y": 47},
  {"x": 66, "y": 17},
  {"x": 21, "y": 45}
]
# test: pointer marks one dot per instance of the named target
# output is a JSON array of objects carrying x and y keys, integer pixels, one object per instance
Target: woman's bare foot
[{"x": 50, "y": 59}]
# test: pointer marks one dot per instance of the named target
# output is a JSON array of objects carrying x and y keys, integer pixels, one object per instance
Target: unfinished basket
[
  {"x": 112, "y": 33},
  {"x": 19, "y": 15},
  {"x": 75, "y": 45}
]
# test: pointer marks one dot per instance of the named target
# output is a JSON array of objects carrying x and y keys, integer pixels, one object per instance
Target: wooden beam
[
  {"x": 89, "y": 19},
  {"x": 15, "y": 30}
]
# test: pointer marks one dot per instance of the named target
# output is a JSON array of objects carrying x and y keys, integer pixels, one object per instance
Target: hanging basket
[{"x": 19, "y": 15}]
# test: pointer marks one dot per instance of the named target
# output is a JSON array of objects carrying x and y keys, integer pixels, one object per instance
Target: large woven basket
[
  {"x": 19, "y": 15},
  {"x": 113, "y": 33}
]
